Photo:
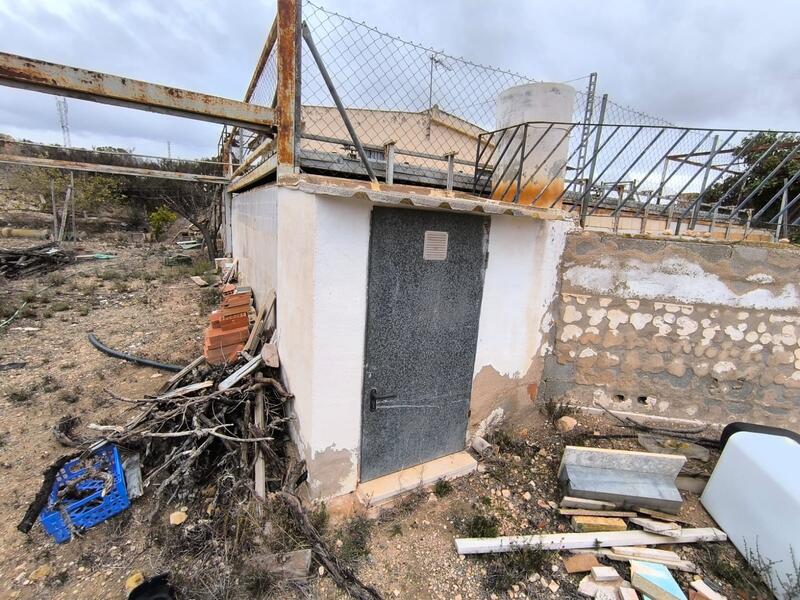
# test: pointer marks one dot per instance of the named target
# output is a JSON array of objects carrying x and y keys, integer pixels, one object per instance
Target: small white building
[{"x": 409, "y": 318}]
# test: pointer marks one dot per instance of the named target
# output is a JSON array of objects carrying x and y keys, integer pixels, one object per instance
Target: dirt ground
[{"x": 136, "y": 304}]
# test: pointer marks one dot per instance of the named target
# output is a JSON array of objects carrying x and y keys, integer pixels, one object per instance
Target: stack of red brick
[{"x": 230, "y": 325}]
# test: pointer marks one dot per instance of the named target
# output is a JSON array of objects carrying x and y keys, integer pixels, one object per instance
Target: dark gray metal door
[{"x": 423, "y": 305}]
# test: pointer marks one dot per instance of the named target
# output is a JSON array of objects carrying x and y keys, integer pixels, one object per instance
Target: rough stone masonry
[{"x": 676, "y": 328}]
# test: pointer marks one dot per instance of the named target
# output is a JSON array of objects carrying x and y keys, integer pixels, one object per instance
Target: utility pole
[{"x": 63, "y": 117}]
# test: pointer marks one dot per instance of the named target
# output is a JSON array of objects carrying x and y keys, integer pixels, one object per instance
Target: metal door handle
[{"x": 374, "y": 397}]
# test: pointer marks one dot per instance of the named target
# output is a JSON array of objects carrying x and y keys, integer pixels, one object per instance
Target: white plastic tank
[
  {"x": 548, "y": 103},
  {"x": 754, "y": 496}
]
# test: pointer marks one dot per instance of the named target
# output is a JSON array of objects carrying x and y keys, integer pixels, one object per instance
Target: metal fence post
[
  {"x": 620, "y": 189},
  {"x": 696, "y": 213},
  {"x": 587, "y": 119},
  {"x": 749, "y": 212},
  {"x": 590, "y": 178},
  {"x": 521, "y": 163},
  {"x": 389, "y": 153},
  {"x": 450, "y": 156},
  {"x": 643, "y": 225},
  {"x": 784, "y": 200},
  {"x": 288, "y": 87}
]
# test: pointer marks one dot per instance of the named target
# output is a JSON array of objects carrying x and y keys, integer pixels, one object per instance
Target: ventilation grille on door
[{"x": 435, "y": 245}]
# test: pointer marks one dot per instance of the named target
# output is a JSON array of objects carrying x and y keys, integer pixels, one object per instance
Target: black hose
[{"x": 131, "y": 358}]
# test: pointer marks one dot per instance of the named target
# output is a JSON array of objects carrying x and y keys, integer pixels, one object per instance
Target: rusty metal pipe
[{"x": 51, "y": 78}]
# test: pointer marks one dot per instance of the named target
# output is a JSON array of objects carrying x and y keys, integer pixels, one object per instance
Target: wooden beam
[
  {"x": 288, "y": 89},
  {"x": 263, "y": 147},
  {"x": 63, "y": 80},
  {"x": 260, "y": 172},
  {"x": 571, "y": 541},
  {"x": 69, "y": 165}
]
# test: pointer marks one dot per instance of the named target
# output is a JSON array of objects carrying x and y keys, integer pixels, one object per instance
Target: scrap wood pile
[
  {"x": 20, "y": 262},
  {"x": 214, "y": 439}
]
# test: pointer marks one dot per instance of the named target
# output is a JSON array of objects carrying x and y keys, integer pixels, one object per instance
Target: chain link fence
[{"x": 430, "y": 109}]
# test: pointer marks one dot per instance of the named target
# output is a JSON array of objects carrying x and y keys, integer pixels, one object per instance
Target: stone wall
[{"x": 680, "y": 329}]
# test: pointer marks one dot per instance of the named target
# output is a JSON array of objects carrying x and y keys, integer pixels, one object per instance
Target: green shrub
[{"x": 160, "y": 219}]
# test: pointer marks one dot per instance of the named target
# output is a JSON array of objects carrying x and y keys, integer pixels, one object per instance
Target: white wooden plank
[
  {"x": 664, "y": 528},
  {"x": 677, "y": 564},
  {"x": 586, "y": 503},
  {"x": 241, "y": 372},
  {"x": 188, "y": 389},
  {"x": 181, "y": 374},
  {"x": 260, "y": 470},
  {"x": 568, "y": 541},
  {"x": 582, "y": 512}
]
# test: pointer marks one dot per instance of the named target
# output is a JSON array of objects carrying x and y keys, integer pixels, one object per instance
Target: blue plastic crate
[{"x": 92, "y": 508}]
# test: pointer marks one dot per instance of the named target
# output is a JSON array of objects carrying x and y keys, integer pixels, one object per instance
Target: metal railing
[
  {"x": 681, "y": 172},
  {"x": 426, "y": 104},
  {"x": 374, "y": 105}
]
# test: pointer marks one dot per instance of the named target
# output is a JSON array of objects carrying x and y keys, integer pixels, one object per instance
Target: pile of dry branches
[
  {"x": 200, "y": 446},
  {"x": 37, "y": 259}
]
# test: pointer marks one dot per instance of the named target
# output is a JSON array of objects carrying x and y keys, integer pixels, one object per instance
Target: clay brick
[
  {"x": 237, "y": 300},
  {"x": 222, "y": 337}
]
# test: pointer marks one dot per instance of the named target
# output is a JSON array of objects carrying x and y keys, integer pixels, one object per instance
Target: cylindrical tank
[{"x": 547, "y": 102}]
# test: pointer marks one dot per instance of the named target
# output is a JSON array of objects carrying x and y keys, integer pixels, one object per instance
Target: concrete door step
[{"x": 383, "y": 489}]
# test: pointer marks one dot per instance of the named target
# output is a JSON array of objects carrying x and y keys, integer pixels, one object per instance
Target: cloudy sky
[{"x": 704, "y": 63}]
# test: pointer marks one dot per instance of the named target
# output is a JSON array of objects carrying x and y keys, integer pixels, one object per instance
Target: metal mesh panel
[
  {"x": 428, "y": 103},
  {"x": 430, "y": 110}
]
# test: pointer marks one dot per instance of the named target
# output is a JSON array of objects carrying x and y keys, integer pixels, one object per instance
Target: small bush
[
  {"x": 319, "y": 517},
  {"x": 50, "y": 384},
  {"x": 68, "y": 397},
  {"x": 20, "y": 396},
  {"x": 110, "y": 275},
  {"x": 59, "y": 307},
  {"x": 121, "y": 287},
  {"x": 354, "y": 537},
  {"x": 201, "y": 266},
  {"x": 29, "y": 296},
  {"x": 160, "y": 219},
  {"x": 506, "y": 569},
  {"x": 209, "y": 299},
  {"x": 505, "y": 441},
  {"x": 477, "y": 526},
  {"x": 56, "y": 279},
  {"x": 442, "y": 488},
  {"x": 554, "y": 409}
]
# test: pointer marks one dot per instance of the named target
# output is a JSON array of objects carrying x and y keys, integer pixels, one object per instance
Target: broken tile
[
  {"x": 587, "y": 587},
  {"x": 655, "y": 581},
  {"x": 605, "y": 574},
  {"x": 580, "y": 563},
  {"x": 704, "y": 591}
]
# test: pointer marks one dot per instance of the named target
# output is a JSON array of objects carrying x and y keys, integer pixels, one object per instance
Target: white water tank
[{"x": 548, "y": 103}]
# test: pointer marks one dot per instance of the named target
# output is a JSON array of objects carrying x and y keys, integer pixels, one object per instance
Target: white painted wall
[
  {"x": 295, "y": 312},
  {"x": 314, "y": 251},
  {"x": 340, "y": 307},
  {"x": 254, "y": 236},
  {"x": 518, "y": 290},
  {"x": 676, "y": 279}
]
